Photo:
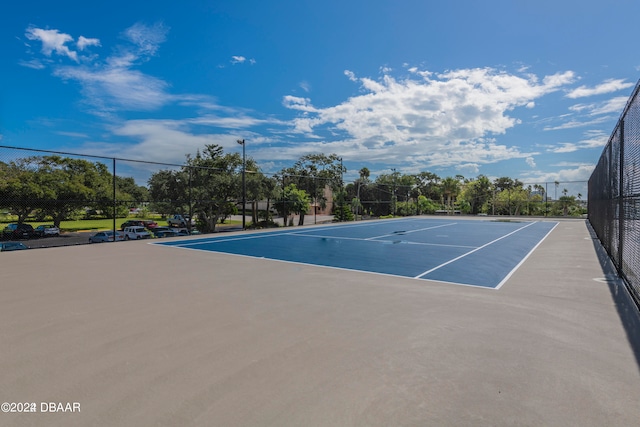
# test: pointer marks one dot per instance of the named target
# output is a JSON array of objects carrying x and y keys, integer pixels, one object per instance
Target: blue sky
[{"x": 526, "y": 89}]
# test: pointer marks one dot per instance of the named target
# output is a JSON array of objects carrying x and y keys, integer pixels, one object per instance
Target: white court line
[
  {"x": 325, "y": 266},
  {"x": 231, "y": 239},
  {"x": 412, "y": 231},
  {"x": 284, "y": 233},
  {"x": 470, "y": 252},
  {"x": 525, "y": 258},
  {"x": 360, "y": 239}
]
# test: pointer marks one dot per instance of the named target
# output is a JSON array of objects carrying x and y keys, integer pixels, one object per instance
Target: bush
[{"x": 343, "y": 213}]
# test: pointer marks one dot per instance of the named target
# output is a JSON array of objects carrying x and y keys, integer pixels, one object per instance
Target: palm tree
[
  {"x": 363, "y": 180},
  {"x": 450, "y": 189}
]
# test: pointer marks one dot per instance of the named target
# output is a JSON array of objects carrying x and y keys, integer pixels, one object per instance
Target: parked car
[
  {"x": 106, "y": 236},
  {"x": 131, "y": 223},
  {"x": 46, "y": 230},
  {"x": 135, "y": 233},
  {"x": 18, "y": 231},
  {"x": 164, "y": 232},
  {"x": 180, "y": 221},
  {"x": 147, "y": 223},
  {"x": 12, "y": 246}
]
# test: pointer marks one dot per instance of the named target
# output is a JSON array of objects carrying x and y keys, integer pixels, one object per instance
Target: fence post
[
  {"x": 621, "y": 213},
  {"x": 190, "y": 202},
  {"x": 115, "y": 202}
]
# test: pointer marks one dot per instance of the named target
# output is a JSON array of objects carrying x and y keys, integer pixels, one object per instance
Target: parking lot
[
  {"x": 73, "y": 238},
  {"x": 65, "y": 239}
]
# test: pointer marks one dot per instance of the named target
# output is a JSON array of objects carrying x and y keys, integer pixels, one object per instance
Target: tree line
[
  {"x": 209, "y": 187},
  {"x": 426, "y": 192}
]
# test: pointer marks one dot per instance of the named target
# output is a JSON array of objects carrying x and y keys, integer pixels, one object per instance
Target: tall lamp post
[{"x": 244, "y": 182}]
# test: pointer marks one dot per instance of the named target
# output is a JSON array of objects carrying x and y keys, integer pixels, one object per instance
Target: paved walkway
[{"x": 142, "y": 335}]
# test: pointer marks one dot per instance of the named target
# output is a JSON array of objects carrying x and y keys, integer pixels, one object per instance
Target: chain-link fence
[
  {"x": 614, "y": 195},
  {"x": 64, "y": 195},
  {"x": 42, "y": 191},
  {"x": 75, "y": 194}
]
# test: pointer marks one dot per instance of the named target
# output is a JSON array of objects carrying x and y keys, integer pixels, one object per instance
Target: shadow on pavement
[{"x": 628, "y": 310}]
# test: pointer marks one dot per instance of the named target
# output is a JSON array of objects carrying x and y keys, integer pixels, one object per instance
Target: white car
[
  {"x": 136, "y": 233},
  {"x": 47, "y": 230}
]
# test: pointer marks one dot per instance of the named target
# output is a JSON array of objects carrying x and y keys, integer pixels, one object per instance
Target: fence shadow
[{"x": 627, "y": 308}]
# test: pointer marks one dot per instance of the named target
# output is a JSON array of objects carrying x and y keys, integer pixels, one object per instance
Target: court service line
[
  {"x": 411, "y": 231},
  {"x": 475, "y": 250},
  {"x": 360, "y": 239},
  {"x": 219, "y": 239}
]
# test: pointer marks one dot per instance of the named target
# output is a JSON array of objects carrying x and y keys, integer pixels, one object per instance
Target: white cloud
[
  {"x": 236, "y": 121},
  {"x": 166, "y": 141},
  {"x": 147, "y": 38},
  {"x": 443, "y": 119},
  {"x": 468, "y": 168},
  {"x": 111, "y": 88},
  {"x": 577, "y": 123},
  {"x": 613, "y": 105},
  {"x": 579, "y": 173},
  {"x": 608, "y": 86},
  {"x": 36, "y": 64},
  {"x": 305, "y": 86},
  {"x": 350, "y": 75},
  {"x": 592, "y": 139},
  {"x": 84, "y": 42},
  {"x": 531, "y": 162},
  {"x": 237, "y": 59},
  {"x": 112, "y": 84},
  {"x": 52, "y": 42},
  {"x": 297, "y": 103},
  {"x": 73, "y": 134}
]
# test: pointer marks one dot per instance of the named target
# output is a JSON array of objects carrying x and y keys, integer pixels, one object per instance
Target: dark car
[
  {"x": 132, "y": 223},
  {"x": 147, "y": 223},
  {"x": 12, "y": 246},
  {"x": 163, "y": 232},
  {"x": 18, "y": 231}
]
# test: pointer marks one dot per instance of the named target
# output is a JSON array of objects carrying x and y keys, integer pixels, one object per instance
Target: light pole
[{"x": 244, "y": 182}]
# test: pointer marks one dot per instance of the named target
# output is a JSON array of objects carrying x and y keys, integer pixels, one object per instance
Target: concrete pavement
[{"x": 142, "y": 335}]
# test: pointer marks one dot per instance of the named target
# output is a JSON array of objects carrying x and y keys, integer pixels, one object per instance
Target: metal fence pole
[
  {"x": 621, "y": 214},
  {"x": 115, "y": 202}
]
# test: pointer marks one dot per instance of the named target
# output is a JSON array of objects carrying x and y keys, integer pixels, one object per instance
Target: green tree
[
  {"x": 428, "y": 184},
  {"x": 450, "y": 190},
  {"x": 361, "y": 182},
  {"x": 261, "y": 187},
  {"x": 312, "y": 173},
  {"x": 476, "y": 194},
  {"x": 216, "y": 183},
  {"x": 426, "y": 205},
  {"x": 68, "y": 185},
  {"x": 137, "y": 194},
  {"x": 509, "y": 195},
  {"x": 208, "y": 186},
  {"x": 293, "y": 200},
  {"x": 20, "y": 191},
  {"x": 169, "y": 192}
]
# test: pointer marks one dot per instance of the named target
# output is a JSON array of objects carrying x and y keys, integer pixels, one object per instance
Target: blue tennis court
[{"x": 482, "y": 253}]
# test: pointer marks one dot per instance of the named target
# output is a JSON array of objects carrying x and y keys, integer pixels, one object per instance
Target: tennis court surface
[{"x": 474, "y": 253}]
